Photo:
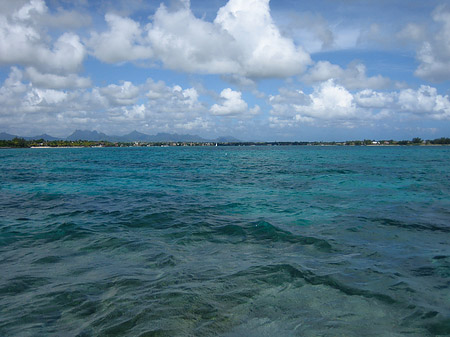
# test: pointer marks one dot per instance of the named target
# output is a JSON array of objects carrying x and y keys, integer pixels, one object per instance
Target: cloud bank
[
  {"x": 66, "y": 67},
  {"x": 332, "y": 103}
]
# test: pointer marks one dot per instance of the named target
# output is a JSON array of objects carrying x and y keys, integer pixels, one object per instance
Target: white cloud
[
  {"x": 232, "y": 104},
  {"x": 183, "y": 42},
  {"x": 12, "y": 91},
  {"x": 122, "y": 42},
  {"x": 353, "y": 77},
  {"x": 52, "y": 81},
  {"x": 256, "y": 110},
  {"x": 328, "y": 101},
  {"x": 118, "y": 95},
  {"x": 172, "y": 108},
  {"x": 323, "y": 71},
  {"x": 151, "y": 107},
  {"x": 18, "y": 98},
  {"x": 199, "y": 123},
  {"x": 434, "y": 54},
  {"x": 174, "y": 101},
  {"x": 45, "y": 97},
  {"x": 136, "y": 112},
  {"x": 372, "y": 99},
  {"x": 22, "y": 41},
  {"x": 424, "y": 101},
  {"x": 331, "y": 103},
  {"x": 266, "y": 53},
  {"x": 286, "y": 102},
  {"x": 67, "y": 55},
  {"x": 242, "y": 40}
]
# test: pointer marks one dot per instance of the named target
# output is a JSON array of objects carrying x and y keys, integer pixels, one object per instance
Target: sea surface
[{"x": 225, "y": 241}]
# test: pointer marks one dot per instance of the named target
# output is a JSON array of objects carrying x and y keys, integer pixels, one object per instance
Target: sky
[{"x": 258, "y": 70}]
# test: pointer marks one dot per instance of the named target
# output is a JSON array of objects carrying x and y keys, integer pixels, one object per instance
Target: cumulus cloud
[
  {"x": 199, "y": 123},
  {"x": 118, "y": 95},
  {"x": 173, "y": 108},
  {"x": 183, "y": 42},
  {"x": 172, "y": 100},
  {"x": 266, "y": 53},
  {"x": 286, "y": 102},
  {"x": 242, "y": 40},
  {"x": 53, "y": 81},
  {"x": 151, "y": 106},
  {"x": 122, "y": 42},
  {"x": 45, "y": 97},
  {"x": 233, "y": 105},
  {"x": 374, "y": 100},
  {"x": 164, "y": 108},
  {"x": 331, "y": 102},
  {"x": 12, "y": 91},
  {"x": 425, "y": 101},
  {"x": 434, "y": 54},
  {"x": 353, "y": 77},
  {"x": 19, "y": 99},
  {"x": 328, "y": 101},
  {"x": 23, "y": 42}
]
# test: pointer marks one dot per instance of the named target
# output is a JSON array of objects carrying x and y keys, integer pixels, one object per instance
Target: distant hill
[
  {"x": 43, "y": 136},
  {"x": 88, "y": 135},
  {"x": 174, "y": 137},
  {"x": 134, "y": 136},
  {"x": 227, "y": 139},
  {"x": 6, "y": 136}
]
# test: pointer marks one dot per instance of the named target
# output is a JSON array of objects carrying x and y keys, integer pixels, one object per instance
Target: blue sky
[{"x": 252, "y": 69}]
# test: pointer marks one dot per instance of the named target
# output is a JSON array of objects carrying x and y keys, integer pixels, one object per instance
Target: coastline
[{"x": 242, "y": 144}]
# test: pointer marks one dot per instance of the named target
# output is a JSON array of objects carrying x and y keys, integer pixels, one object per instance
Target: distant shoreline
[
  {"x": 45, "y": 144},
  {"x": 59, "y": 147},
  {"x": 224, "y": 145},
  {"x": 49, "y": 144}
]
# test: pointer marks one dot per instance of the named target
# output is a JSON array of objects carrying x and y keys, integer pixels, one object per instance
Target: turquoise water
[{"x": 226, "y": 241}]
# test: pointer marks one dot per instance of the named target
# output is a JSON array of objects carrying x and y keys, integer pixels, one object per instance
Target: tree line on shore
[{"x": 22, "y": 143}]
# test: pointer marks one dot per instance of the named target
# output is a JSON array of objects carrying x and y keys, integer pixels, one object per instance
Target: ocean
[{"x": 225, "y": 241}]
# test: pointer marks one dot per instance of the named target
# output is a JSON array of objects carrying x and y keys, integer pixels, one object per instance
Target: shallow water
[{"x": 229, "y": 241}]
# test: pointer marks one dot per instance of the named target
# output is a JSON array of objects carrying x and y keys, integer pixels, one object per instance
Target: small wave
[
  {"x": 158, "y": 220},
  {"x": 65, "y": 231},
  {"x": 263, "y": 231},
  {"x": 337, "y": 171},
  {"x": 280, "y": 273},
  {"x": 47, "y": 260},
  {"x": 440, "y": 328},
  {"x": 407, "y": 225},
  {"x": 105, "y": 244},
  {"x": 22, "y": 284}
]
